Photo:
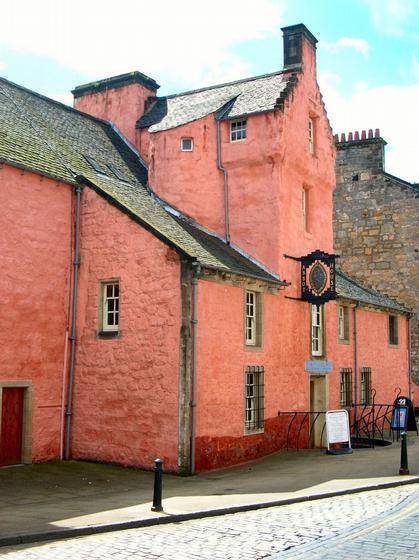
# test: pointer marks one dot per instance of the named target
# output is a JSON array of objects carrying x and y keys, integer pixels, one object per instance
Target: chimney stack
[{"x": 296, "y": 39}]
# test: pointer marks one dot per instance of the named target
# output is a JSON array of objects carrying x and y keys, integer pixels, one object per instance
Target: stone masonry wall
[{"x": 375, "y": 227}]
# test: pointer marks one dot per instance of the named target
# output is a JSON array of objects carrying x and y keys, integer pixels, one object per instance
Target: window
[
  {"x": 253, "y": 319},
  {"x": 117, "y": 172},
  {"x": 254, "y": 398},
  {"x": 237, "y": 130},
  {"x": 343, "y": 323},
  {"x": 346, "y": 387},
  {"x": 365, "y": 387},
  {"x": 95, "y": 165},
  {"x": 316, "y": 330},
  {"x": 110, "y": 306},
  {"x": 305, "y": 208},
  {"x": 186, "y": 144},
  {"x": 393, "y": 330},
  {"x": 311, "y": 136}
]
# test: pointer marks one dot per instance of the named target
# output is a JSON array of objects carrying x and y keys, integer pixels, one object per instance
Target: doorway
[{"x": 318, "y": 403}]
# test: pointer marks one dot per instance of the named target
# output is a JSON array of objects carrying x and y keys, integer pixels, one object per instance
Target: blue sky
[{"x": 368, "y": 53}]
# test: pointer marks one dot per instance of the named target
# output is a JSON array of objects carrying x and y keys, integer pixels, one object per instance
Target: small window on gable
[
  {"x": 186, "y": 144},
  {"x": 393, "y": 330},
  {"x": 343, "y": 323},
  {"x": 311, "y": 136},
  {"x": 109, "y": 307},
  {"x": 95, "y": 165},
  {"x": 316, "y": 330},
  {"x": 238, "y": 130},
  {"x": 253, "y": 319}
]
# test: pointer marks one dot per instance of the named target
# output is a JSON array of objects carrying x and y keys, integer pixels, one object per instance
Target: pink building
[{"x": 154, "y": 297}]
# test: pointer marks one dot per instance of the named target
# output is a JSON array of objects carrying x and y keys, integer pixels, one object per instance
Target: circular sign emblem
[{"x": 317, "y": 278}]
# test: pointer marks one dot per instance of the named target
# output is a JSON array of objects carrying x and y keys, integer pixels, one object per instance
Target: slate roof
[
  {"x": 348, "y": 288},
  {"x": 253, "y": 95},
  {"x": 47, "y": 137}
]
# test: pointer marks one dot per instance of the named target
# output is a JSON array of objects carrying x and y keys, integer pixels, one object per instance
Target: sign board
[
  {"x": 318, "y": 366},
  {"x": 337, "y": 429},
  {"x": 410, "y": 422},
  {"x": 399, "y": 418},
  {"x": 318, "y": 277}
]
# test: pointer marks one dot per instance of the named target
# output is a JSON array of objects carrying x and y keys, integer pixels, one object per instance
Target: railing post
[
  {"x": 157, "y": 492},
  {"x": 404, "y": 468}
]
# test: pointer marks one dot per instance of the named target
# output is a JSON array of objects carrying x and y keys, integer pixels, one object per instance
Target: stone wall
[{"x": 375, "y": 225}]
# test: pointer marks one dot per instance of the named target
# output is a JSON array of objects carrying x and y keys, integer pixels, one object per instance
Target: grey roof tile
[
  {"x": 348, "y": 288},
  {"x": 253, "y": 95},
  {"x": 47, "y": 137}
]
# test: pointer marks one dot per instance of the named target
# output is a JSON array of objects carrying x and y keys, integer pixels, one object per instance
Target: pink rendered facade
[{"x": 133, "y": 391}]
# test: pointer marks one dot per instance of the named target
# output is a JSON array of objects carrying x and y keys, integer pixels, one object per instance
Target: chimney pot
[
  {"x": 377, "y": 133},
  {"x": 363, "y": 135},
  {"x": 342, "y": 137},
  {"x": 370, "y": 133},
  {"x": 350, "y": 137},
  {"x": 356, "y": 135}
]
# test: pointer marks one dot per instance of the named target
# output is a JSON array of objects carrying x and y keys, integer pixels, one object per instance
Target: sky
[{"x": 367, "y": 54}]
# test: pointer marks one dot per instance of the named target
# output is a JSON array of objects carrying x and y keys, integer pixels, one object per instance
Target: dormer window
[
  {"x": 186, "y": 144},
  {"x": 238, "y": 130},
  {"x": 311, "y": 136},
  {"x": 95, "y": 165}
]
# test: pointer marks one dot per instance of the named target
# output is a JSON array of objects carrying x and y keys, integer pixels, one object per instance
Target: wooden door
[{"x": 11, "y": 426}]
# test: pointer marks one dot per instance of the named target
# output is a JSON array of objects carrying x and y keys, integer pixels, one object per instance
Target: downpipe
[
  {"x": 355, "y": 332},
  {"x": 76, "y": 266},
  {"x": 224, "y": 170},
  {"x": 194, "y": 321}
]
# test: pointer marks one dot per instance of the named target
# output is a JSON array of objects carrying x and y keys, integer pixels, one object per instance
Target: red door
[{"x": 11, "y": 426}]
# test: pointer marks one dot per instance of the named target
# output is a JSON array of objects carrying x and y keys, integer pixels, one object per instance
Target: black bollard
[
  {"x": 158, "y": 464},
  {"x": 404, "y": 468}
]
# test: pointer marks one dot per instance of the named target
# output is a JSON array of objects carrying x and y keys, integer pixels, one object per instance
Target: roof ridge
[
  {"x": 241, "y": 81},
  {"x": 399, "y": 180}
]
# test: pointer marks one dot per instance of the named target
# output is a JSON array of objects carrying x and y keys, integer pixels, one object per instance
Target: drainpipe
[
  {"x": 76, "y": 265},
  {"x": 355, "y": 366},
  {"x": 409, "y": 354},
  {"x": 224, "y": 170},
  {"x": 194, "y": 321}
]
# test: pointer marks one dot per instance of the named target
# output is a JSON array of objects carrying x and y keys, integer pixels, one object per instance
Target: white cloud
[
  {"x": 3, "y": 65},
  {"x": 183, "y": 40},
  {"x": 359, "y": 45},
  {"x": 390, "y": 108}
]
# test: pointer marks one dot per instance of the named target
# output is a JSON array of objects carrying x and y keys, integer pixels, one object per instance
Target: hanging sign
[
  {"x": 337, "y": 429},
  {"x": 318, "y": 277}
]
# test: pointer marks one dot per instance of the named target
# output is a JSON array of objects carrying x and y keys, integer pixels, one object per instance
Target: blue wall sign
[{"x": 318, "y": 366}]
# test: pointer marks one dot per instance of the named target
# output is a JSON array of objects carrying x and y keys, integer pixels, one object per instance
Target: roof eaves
[
  {"x": 266, "y": 278},
  {"x": 37, "y": 171}
]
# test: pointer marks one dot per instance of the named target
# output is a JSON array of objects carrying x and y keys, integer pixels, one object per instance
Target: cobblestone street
[{"x": 378, "y": 524}]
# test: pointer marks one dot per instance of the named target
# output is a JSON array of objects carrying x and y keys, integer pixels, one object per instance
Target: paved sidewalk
[{"x": 56, "y": 500}]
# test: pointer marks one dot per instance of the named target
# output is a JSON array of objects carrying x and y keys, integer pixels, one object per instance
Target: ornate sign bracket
[{"x": 317, "y": 277}]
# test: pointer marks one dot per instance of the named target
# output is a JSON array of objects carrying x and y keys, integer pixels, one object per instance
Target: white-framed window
[
  {"x": 253, "y": 319},
  {"x": 186, "y": 144},
  {"x": 316, "y": 330},
  {"x": 110, "y": 306},
  {"x": 393, "y": 330},
  {"x": 311, "y": 136},
  {"x": 343, "y": 323},
  {"x": 254, "y": 398},
  {"x": 346, "y": 387},
  {"x": 365, "y": 396},
  {"x": 238, "y": 130}
]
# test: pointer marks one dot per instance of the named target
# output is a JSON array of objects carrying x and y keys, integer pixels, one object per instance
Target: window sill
[
  {"x": 393, "y": 345},
  {"x": 255, "y": 348},
  {"x": 108, "y": 334},
  {"x": 253, "y": 432},
  {"x": 344, "y": 341}
]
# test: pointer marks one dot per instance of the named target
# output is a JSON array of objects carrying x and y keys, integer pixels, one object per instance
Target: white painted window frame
[
  {"x": 311, "y": 135},
  {"x": 182, "y": 146},
  {"x": 110, "y": 306},
  {"x": 251, "y": 318},
  {"x": 316, "y": 330},
  {"x": 238, "y": 130}
]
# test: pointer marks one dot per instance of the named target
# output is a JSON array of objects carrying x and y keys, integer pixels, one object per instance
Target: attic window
[
  {"x": 117, "y": 172},
  {"x": 186, "y": 144},
  {"x": 95, "y": 165},
  {"x": 238, "y": 130}
]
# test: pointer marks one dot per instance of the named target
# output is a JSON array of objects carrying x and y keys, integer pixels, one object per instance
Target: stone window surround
[
  {"x": 238, "y": 130},
  {"x": 393, "y": 331},
  {"x": 343, "y": 324},
  {"x": 254, "y": 399},
  {"x": 27, "y": 415},
  {"x": 257, "y": 340},
  {"x": 110, "y": 331}
]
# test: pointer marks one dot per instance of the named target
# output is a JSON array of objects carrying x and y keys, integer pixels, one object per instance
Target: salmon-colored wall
[
  {"x": 122, "y": 106},
  {"x": 389, "y": 364},
  {"x": 126, "y": 388},
  {"x": 35, "y": 222},
  {"x": 221, "y": 439}
]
